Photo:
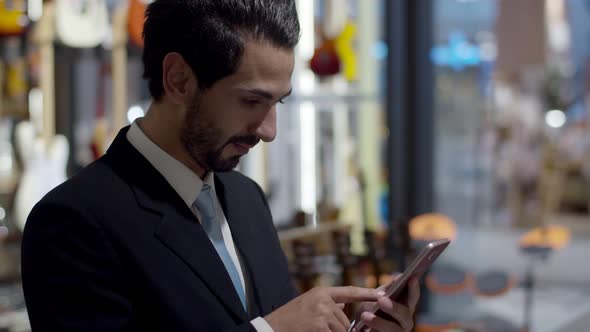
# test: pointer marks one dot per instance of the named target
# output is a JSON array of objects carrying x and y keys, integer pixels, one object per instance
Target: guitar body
[
  {"x": 13, "y": 83},
  {"x": 15, "y": 70},
  {"x": 81, "y": 23},
  {"x": 135, "y": 19},
  {"x": 43, "y": 169},
  {"x": 346, "y": 53},
  {"x": 8, "y": 173},
  {"x": 13, "y": 18},
  {"x": 325, "y": 60}
]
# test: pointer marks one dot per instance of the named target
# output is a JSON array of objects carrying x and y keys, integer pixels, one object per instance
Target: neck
[{"x": 162, "y": 124}]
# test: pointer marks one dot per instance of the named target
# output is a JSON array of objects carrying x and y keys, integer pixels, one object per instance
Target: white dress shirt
[{"x": 188, "y": 186}]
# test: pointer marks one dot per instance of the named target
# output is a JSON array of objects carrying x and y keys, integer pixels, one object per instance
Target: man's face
[{"x": 222, "y": 123}]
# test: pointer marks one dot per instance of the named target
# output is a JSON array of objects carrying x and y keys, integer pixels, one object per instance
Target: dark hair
[{"x": 210, "y": 34}]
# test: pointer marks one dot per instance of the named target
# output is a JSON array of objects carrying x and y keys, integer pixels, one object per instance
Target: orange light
[
  {"x": 553, "y": 236},
  {"x": 432, "y": 226}
]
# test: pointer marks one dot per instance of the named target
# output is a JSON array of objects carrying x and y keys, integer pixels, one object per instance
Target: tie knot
[
  {"x": 206, "y": 188},
  {"x": 205, "y": 203}
]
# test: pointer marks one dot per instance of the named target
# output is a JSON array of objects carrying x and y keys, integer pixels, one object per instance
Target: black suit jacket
[{"x": 116, "y": 249}]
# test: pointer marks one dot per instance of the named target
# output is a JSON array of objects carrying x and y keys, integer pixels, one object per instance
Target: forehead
[{"x": 263, "y": 66}]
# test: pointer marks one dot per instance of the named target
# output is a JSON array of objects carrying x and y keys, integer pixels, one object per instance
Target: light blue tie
[{"x": 205, "y": 204}]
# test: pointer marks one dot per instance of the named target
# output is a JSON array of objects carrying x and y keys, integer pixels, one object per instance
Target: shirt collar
[{"x": 184, "y": 181}]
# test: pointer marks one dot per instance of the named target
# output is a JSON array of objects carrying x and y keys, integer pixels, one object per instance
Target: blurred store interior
[{"x": 410, "y": 120}]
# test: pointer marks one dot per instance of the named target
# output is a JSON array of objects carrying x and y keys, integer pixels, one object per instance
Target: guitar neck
[
  {"x": 44, "y": 35},
  {"x": 47, "y": 85},
  {"x": 119, "y": 67}
]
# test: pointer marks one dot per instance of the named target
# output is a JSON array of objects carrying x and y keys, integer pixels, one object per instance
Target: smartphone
[{"x": 398, "y": 289}]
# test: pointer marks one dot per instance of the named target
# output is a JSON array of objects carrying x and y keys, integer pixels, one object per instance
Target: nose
[{"x": 267, "y": 129}]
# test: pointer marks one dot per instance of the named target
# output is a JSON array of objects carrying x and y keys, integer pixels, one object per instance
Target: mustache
[{"x": 249, "y": 140}]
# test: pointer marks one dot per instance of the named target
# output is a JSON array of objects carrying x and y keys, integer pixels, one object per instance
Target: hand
[
  {"x": 402, "y": 314},
  {"x": 320, "y": 309}
]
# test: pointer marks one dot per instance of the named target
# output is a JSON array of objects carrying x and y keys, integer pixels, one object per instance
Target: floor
[
  {"x": 555, "y": 308},
  {"x": 562, "y": 293}
]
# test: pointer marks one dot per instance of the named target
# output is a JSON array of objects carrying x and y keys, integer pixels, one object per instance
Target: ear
[{"x": 178, "y": 79}]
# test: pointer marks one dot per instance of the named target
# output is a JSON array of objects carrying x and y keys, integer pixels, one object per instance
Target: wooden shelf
[
  {"x": 12, "y": 109},
  {"x": 311, "y": 231},
  {"x": 320, "y": 236}
]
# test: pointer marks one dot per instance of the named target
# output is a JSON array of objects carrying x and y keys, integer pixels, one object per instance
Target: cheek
[
  {"x": 228, "y": 118},
  {"x": 229, "y": 114},
  {"x": 213, "y": 119}
]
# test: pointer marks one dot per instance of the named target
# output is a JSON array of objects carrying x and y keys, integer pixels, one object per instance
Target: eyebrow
[{"x": 265, "y": 94}]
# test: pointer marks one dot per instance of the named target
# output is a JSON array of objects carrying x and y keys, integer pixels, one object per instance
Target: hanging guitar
[
  {"x": 336, "y": 53},
  {"x": 135, "y": 19},
  {"x": 74, "y": 20},
  {"x": 13, "y": 86},
  {"x": 105, "y": 132},
  {"x": 44, "y": 154},
  {"x": 13, "y": 101},
  {"x": 81, "y": 23},
  {"x": 8, "y": 172},
  {"x": 13, "y": 23},
  {"x": 13, "y": 18}
]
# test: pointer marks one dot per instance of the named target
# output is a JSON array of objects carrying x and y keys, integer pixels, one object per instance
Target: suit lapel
[
  {"x": 189, "y": 242},
  {"x": 178, "y": 228},
  {"x": 242, "y": 220}
]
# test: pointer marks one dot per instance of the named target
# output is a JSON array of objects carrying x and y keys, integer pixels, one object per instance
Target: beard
[{"x": 205, "y": 142}]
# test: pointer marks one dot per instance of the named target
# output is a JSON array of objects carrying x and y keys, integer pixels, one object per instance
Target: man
[{"x": 160, "y": 234}]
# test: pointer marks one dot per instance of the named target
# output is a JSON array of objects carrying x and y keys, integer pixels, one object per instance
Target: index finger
[{"x": 350, "y": 294}]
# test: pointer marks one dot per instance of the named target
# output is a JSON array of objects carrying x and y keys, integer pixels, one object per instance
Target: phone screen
[{"x": 398, "y": 290}]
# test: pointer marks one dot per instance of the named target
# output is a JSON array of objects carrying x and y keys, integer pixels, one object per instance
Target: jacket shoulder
[{"x": 93, "y": 185}]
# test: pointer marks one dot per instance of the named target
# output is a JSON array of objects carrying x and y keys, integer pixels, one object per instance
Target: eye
[
  {"x": 282, "y": 101},
  {"x": 251, "y": 102}
]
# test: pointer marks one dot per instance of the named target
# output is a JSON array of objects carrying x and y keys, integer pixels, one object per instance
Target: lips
[
  {"x": 242, "y": 148},
  {"x": 243, "y": 144}
]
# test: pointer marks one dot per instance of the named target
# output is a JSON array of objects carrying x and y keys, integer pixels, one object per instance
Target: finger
[
  {"x": 413, "y": 295},
  {"x": 379, "y": 324},
  {"x": 366, "y": 306},
  {"x": 341, "y": 305},
  {"x": 339, "y": 314},
  {"x": 336, "y": 325},
  {"x": 350, "y": 294},
  {"x": 361, "y": 327},
  {"x": 398, "y": 312}
]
